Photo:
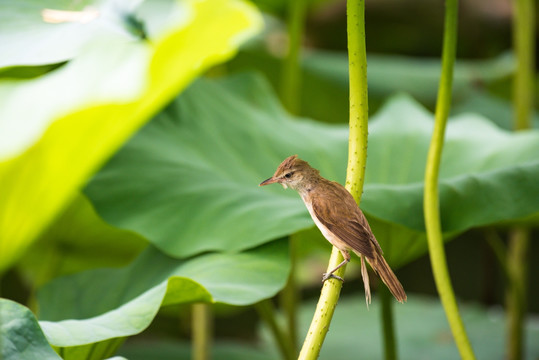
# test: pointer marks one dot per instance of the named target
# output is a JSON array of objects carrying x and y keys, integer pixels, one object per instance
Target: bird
[{"x": 340, "y": 220}]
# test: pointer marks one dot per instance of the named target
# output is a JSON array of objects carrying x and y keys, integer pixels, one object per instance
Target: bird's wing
[{"x": 346, "y": 226}]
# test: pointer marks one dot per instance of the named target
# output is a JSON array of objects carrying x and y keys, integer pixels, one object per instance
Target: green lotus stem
[
  {"x": 291, "y": 73},
  {"x": 431, "y": 199},
  {"x": 202, "y": 331},
  {"x": 523, "y": 95},
  {"x": 388, "y": 328},
  {"x": 516, "y": 291},
  {"x": 524, "y": 47},
  {"x": 359, "y": 110},
  {"x": 498, "y": 248},
  {"x": 290, "y": 96},
  {"x": 266, "y": 312},
  {"x": 289, "y": 296},
  {"x": 355, "y": 174}
]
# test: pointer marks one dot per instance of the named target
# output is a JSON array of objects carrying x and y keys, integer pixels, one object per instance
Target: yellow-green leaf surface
[
  {"x": 78, "y": 240},
  {"x": 57, "y": 129},
  {"x": 188, "y": 182}
]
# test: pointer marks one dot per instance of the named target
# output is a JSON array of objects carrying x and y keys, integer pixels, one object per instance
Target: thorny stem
[{"x": 355, "y": 175}]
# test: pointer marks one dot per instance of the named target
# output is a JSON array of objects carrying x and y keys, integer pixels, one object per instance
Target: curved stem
[
  {"x": 355, "y": 175},
  {"x": 431, "y": 200}
]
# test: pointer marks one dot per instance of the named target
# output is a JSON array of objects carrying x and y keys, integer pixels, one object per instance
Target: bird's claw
[{"x": 329, "y": 276}]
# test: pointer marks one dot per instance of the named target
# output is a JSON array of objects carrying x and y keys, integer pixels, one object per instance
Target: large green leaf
[
  {"x": 55, "y": 130},
  {"x": 192, "y": 173},
  {"x": 114, "y": 303},
  {"x": 20, "y": 335},
  {"x": 191, "y": 176},
  {"x": 487, "y": 174}
]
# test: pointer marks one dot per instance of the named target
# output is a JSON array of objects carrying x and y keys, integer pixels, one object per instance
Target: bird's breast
[{"x": 331, "y": 237}]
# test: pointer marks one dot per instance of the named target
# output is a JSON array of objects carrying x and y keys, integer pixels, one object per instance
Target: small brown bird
[{"x": 340, "y": 220}]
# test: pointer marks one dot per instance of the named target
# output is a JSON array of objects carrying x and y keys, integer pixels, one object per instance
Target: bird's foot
[{"x": 329, "y": 276}]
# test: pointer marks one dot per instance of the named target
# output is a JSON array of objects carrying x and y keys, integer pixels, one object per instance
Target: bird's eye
[{"x": 288, "y": 175}]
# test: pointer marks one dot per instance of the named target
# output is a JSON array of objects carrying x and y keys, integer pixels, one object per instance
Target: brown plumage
[{"x": 340, "y": 220}]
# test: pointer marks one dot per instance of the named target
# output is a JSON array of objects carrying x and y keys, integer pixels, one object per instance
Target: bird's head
[{"x": 294, "y": 173}]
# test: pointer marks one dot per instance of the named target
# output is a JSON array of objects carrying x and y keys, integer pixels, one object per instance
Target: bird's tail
[
  {"x": 381, "y": 267},
  {"x": 366, "y": 283}
]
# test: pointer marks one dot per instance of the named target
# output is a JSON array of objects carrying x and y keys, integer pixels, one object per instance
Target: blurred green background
[{"x": 133, "y": 149}]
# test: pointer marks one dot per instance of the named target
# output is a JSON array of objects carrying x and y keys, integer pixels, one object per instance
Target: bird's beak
[{"x": 271, "y": 180}]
